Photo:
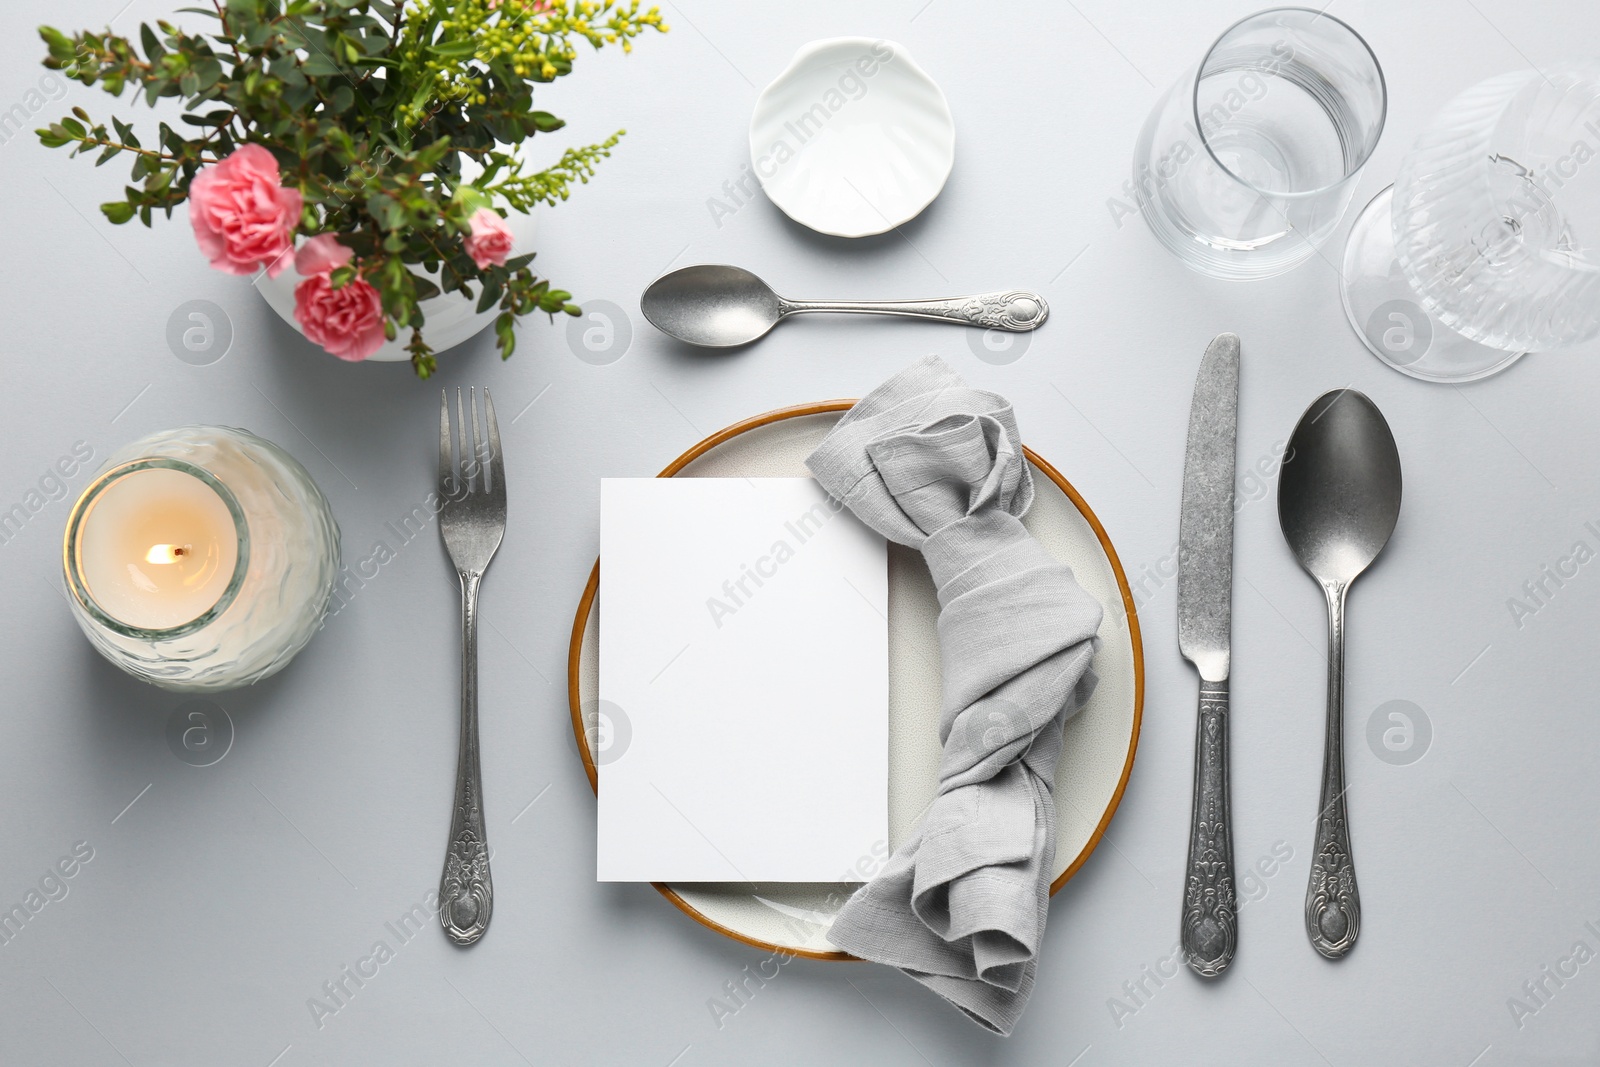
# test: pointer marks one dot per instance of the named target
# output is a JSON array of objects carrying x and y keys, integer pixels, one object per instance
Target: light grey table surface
[{"x": 220, "y": 899}]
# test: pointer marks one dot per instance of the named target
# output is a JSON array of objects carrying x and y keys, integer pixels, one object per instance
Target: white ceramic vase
[{"x": 452, "y": 319}]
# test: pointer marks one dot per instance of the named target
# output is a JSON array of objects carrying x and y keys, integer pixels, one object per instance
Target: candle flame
[{"x": 167, "y": 553}]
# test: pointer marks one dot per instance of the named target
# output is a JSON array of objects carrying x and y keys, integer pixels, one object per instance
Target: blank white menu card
[{"x": 743, "y": 682}]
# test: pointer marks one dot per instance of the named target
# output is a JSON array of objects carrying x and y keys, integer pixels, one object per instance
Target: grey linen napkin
[{"x": 933, "y": 464}]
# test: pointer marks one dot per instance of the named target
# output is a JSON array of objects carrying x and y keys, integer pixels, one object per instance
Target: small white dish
[{"x": 853, "y": 138}]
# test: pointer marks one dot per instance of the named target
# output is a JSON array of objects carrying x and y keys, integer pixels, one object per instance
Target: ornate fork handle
[
  {"x": 1210, "y": 929},
  {"x": 466, "y": 893},
  {"x": 1016, "y": 310}
]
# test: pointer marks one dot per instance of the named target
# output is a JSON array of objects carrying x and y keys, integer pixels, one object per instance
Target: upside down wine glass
[{"x": 1487, "y": 246}]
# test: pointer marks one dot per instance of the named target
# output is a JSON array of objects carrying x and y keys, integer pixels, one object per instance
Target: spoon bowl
[
  {"x": 1339, "y": 489},
  {"x": 1338, "y": 501},
  {"x": 712, "y": 305}
]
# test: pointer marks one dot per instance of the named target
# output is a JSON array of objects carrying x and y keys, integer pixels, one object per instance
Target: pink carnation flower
[
  {"x": 243, "y": 217},
  {"x": 321, "y": 254},
  {"x": 490, "y": 240},
  {"x": 347, "y": 321}
]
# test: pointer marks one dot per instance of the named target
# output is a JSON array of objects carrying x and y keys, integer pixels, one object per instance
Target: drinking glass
[
  {"x": 1247, "y": 164},
  {"x": 1487, "y": 246}
]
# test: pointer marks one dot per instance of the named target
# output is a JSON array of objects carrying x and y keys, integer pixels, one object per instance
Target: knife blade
[
  {"x": 1205, "y": 617},
  {"x": 1205, "y": 529}
]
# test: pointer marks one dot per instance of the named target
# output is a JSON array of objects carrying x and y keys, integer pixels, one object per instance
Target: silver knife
[{"x": 1210, "y": 931}]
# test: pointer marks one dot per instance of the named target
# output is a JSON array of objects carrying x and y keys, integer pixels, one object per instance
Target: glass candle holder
[{"x": 201, "y": 558}]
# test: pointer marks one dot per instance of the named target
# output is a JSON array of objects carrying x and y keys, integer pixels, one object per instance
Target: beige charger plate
[{"x": 1100, "y": 740}]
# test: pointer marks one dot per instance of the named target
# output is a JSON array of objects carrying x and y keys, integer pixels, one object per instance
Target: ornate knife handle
[
  {"x": 1016, "y": 310},
  {"x": 1333, "y": 905},
  {"x": 466, "y": 894},
  {"x": 1210, "y": 912}
]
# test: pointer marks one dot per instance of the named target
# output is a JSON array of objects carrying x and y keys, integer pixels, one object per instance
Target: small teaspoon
[{"x": 718, "y": 306}]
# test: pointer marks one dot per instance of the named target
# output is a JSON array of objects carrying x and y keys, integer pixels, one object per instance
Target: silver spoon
[
  {"x": 717, "y": 306},
  {"x": 1338, "y": 499}
]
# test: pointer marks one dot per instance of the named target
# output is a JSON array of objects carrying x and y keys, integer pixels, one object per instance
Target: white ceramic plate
[
  {"x": 853, "y": 138},
  {"x": 1100, "y": 740},
  {"x": 452, "y": 319}
]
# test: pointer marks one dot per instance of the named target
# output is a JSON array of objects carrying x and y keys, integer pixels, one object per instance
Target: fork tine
[
  {"x": 445, "y": 464},
  {"x": 465, "y": 457},
  {"x": 496, "y": 465},
  {"x": 479, "y": 455}
]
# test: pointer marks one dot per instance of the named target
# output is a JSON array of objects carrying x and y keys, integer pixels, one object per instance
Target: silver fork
[{"x": 472, "y": 522}]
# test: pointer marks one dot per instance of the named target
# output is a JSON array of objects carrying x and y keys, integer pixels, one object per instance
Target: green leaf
[
  {"x": 58, "y": 43},
  {"x": 454, "y": 49},
  {"x": 209, "y": 70},
  {"x": 386, "y": 210},
  {"x": 212, "y": 118},
  {"x": 505, "y": 330},
  {"x": 256, "y": 34},
  {"x": 491, "y": 293},
  {"x": 125, "y": 132},
  {"x": 317, "y": 64},
  {"x": 118, "y": 211},
  {"x": 471, "y": 198}
]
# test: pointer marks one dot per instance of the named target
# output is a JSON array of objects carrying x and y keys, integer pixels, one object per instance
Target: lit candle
[
  {"x": 158, "y": 547},
  {"x": 159, "y": 564}
]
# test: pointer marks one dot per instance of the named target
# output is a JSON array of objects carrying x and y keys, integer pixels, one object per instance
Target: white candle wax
[{"x": 157, "y": 548}]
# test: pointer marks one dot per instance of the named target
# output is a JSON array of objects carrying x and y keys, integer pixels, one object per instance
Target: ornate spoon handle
[
  {"x": 466, "y": 894},
  {"x": 1016, "y": 310},
  {"x": 1210, "y": 917},
  {"x": 1333, "y": 906}
]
